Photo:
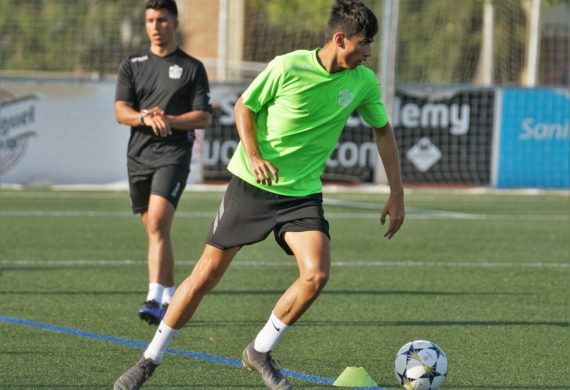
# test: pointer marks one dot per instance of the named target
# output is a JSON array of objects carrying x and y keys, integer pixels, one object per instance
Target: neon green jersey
[{"x": 300, "y": 111}]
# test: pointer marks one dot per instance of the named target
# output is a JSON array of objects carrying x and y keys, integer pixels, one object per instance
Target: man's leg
[
  {"x": 157, "y": 220},
  {"x": 205, "y": 276},
  {"x": 312, "y": 252}
]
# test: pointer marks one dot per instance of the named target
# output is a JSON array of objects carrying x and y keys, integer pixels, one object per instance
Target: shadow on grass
[
  {"x": 305, "y": 386},
  {"x": 560, "y": 324},
  {"x": 154, "y": 386},
  {"x": 72, "y": 293},
  {"x": 352, "y": 323},
  {"x": 491, "y": 387},
  {"x": 367, "y": 292},
  {"x": 279, "y": 292}
]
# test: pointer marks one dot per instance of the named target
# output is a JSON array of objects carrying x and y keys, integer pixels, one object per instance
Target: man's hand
[
  {"x": 263, "y": 171},
  {"x": 394, "y": 207},
  {"x": 155, "y": 118}
]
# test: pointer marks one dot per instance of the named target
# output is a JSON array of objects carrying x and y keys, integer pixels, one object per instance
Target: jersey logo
[
  {"x": 174, "y": 72},
  {"x": 300, "y": 67},
  {"x": 139, "y": 59},
  {"x": 345, "y": 97}
]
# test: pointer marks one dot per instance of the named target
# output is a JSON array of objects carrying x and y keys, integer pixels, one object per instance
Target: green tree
[
  {"x": 438, "y": 40},
  {"x": 68, "y": 36}
]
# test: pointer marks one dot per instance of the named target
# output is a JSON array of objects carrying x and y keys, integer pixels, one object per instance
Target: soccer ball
[{"x": 420, "y": 365}]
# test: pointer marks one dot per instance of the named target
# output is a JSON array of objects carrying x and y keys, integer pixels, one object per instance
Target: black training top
[{"x": 177, "y": 84}]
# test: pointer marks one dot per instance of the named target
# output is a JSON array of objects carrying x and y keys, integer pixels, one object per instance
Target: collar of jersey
[
  {"x": 322, "y": 70},
  {"x": 151, "y": 54}
]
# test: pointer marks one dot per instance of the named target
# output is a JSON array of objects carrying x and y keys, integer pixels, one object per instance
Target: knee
[
  {"x": 156, "y": 227},
  {"x": 316, "y": 279}
]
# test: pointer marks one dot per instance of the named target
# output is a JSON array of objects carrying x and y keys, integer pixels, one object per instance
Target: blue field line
[{"x": 174, "y": 351}]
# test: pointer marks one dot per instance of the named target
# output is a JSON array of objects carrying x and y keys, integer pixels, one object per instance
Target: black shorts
[
  {"x": 248, "y": 214},
  {"x": 168, "y": 182}
]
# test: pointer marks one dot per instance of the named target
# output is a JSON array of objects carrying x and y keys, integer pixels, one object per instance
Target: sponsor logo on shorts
[
  {"x": 176, "y": 189},
  {"x": 219, "y": 216}
]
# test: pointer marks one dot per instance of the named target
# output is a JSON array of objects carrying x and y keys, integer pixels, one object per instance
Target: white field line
[
  {"x": 90, "y": 213},
  {"x": 121, "y": 187},
  {"x": 272, "y": 263},
  {"x": 93, "y": 193},
  {"x": 411, "y": 214}
]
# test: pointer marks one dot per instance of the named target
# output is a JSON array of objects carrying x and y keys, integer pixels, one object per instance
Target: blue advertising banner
[{"x": 534, "y": 144}]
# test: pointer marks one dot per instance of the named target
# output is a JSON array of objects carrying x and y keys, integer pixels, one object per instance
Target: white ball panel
[
  {"x": 420, "y": 344},
  {"x": 437, "y": 382},
  {"x": 400, "y": 364},
  {"x": 404, "y": 348},
  {"x": 428, "y": 356},
  {"x": 441, "y": 365},
  {"x": 415, "y": 369},
  {"x": 422, "y": 384}
]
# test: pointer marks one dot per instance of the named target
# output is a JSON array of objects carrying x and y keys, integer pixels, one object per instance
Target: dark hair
[
  {"x": 351, "y": 17},
  {"x": 169, "y": 5}
]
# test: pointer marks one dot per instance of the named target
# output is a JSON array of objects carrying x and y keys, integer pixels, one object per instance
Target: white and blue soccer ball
[{"x": 420, "y": 365}]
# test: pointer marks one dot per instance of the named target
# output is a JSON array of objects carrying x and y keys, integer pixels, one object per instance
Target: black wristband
[{"x": 142, "y": 120}]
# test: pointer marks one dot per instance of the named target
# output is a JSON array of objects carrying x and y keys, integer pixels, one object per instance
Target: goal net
[{"x": 452, "y": 58}]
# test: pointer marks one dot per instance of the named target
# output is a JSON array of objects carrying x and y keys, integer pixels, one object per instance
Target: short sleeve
[
  {"x": 372, "y": 108},
  {"x": 125, "y": 90},
  {"x": 265, "y": 86},
  {"x": 201, "y": 100}
]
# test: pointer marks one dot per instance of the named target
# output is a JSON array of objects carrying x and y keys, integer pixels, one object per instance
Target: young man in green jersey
[{"x": 289, "y": 121}]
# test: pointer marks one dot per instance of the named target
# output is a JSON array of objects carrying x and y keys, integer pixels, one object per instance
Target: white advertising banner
[
  {"x": 64, "y": 132},
  {"x": 60, "y": 133}
]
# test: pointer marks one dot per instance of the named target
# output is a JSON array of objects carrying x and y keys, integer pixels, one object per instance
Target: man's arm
[
  {"x": 263, "y": 171},
  {"x": 189, "y": 120},
  {"x": 154, "y": 118},
  {"x": 161, "y": 124},
  {"x": 125, "y": 114},
  {"x": 394, "y": 207}
]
